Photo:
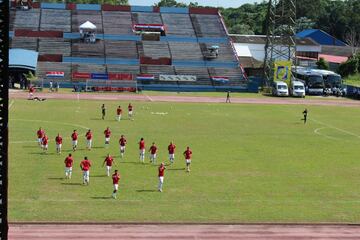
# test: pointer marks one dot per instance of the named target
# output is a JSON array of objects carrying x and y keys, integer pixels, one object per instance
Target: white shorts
[
  {"x": 153, "y": 156},
  {"x": 39, "y": 140},
  {"x": 86, "y": 174},
  {"x": 171, "y": 155},
  {"x": 107, "y": 139},
  {"x": 58, "y": 145},
  {"x": 74, "y": 143},
  {"x": 116, "y": 187},
  {"x": 118, "y": 116},
  {"x": 89, "y": 142},
  {"x": 161, "y": 179},
  {"x": 130, "y": 112},
  {"x": 122, "y": 148},
  {"x": 108, "y": 167},
  {"x": 142, "y": 151},
  {"x": 68, "y": 169},
  {"x": 44, "y": 146},
  {"x": 188, "y": 161}
]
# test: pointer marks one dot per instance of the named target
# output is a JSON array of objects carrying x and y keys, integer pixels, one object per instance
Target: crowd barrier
[{"x": 53, "y": 6}]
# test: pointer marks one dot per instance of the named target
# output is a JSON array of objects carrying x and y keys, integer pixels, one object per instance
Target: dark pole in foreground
[{"x": 4, "y": 104}]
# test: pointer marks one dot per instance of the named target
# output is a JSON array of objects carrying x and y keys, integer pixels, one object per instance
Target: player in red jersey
[
  {"x": 171, "y": 149},
  {"x": 68, "y": 166},
  {"x": 107, "y": 134},
  {"x": 161, "y": 176},
  {"x": 58, "y": 141},
  {"x": 109, "y": 160},
  {"x": 74, "y": 138},
  {"x": 44, "y": 142},
  {"x": 118, "y": 113},
  {"x": 31, "y": 92},
  {"x": 89, "y": 137},
  {"x": 187, "y": 155},
  {"x": 85, "y": 167},
  {"x": 122, "y": 142},
  {"x": 142, "y": 149},
  {"x": 130, "y": 111},
  {"x": 115, "y": 178},
  {"x": 40, "y": 134},
  {"x": 153, "y": 151}
]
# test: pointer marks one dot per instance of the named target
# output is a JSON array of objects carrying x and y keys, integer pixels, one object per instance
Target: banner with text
[
  {"x": 178, "y": 78},
  {"x": 282, "y": 71}
]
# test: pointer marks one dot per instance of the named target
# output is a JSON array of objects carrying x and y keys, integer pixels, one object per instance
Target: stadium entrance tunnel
[{"x": 21, "y": 63}]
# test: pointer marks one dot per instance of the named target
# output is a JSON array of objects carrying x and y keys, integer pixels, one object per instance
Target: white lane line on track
[
  {"x": 148, "y": 97},
  {"x": 11, "y": 103},
  {"x": 317, "y": 131},
  {"x": 336, "y": 128}
]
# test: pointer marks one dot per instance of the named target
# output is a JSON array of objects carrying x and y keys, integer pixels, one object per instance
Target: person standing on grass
[
  {"x": 44, "y": 142},
  {"x": 107, "y": 134},
  {"x": 103, "y": 111},
  {"x": 153, "y": 151},
  {"x": 142, "y": 149},
  {"x": 40, "y": 134},
  {"x": 161, "y": 176},
  {"x": 171, "y": 149},
  {"x": 85, "y": 166},
  {"x": 118, "y": 113},
  {"x": 130, "y": 111},
  {"x": 187, "y": 154},
  {"x": 58, "y": 141},
  {"x": 109, "y": 160},
  {"x": 228, "y": 97},
  {"x": 69, "y": 161},
  {"x": 122, "y": 142},
  {"x": 74, "y": 138},
  {"x": 305, "y": 113},
  {"x": 89, "y": 137},
  {"x": 115, "y": 178},
  {"x": 31, "y": 92}
]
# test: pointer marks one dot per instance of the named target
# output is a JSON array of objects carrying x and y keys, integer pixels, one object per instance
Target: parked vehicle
[
  {"x": 313, "y": 81},
  {"x": 280, "y": 88},
  {"x": 297, "y": 89}
]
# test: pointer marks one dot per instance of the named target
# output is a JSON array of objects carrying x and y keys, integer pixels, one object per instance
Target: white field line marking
[
  {"x": 336, "y": 128},
  {"x": 11, "y": 103},
  {"x": 148, "y": 97},
  {"x": 316, "y": 131}
]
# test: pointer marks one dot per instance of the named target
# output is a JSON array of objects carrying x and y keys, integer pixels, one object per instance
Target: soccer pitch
[{"x": 251, "y": 163}]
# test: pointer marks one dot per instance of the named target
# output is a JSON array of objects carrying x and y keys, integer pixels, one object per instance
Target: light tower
[{"x": 280, "y": 35}]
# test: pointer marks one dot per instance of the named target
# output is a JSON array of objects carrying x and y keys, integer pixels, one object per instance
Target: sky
[{"x": 213, "y": 3}]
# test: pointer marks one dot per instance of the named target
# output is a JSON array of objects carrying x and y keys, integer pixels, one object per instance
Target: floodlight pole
[
  {"x": 280, "y": 36},
  {"x": 4, "y": 109}
]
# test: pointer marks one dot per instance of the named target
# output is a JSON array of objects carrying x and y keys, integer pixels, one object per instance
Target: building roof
[
  {"x": 345, "y": 51},
  {"x": 23, "y": 59},
  {"x": 333, "y": 59},
  {"x": 320, "y": 37},
  {"x": 261, "y": 39},
  {"x": 250, "y": 62}
]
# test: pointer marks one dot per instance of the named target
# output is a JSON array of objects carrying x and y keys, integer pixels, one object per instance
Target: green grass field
[{"x": 251, "y": 163}]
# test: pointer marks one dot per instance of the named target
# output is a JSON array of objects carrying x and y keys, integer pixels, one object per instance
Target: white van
[
  {"x": 297, "y": 89},
  {"x": 280, "y": 89}
]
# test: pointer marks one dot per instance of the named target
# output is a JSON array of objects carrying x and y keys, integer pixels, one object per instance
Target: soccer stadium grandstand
[{"x": 162, "y": 48}]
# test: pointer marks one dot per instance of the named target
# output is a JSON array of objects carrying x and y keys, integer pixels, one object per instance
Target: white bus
[{"x": 313, "y": 81}]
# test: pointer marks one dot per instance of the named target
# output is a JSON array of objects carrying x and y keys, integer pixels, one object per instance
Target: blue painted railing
[
  {"x": 174, "y": 10},
  {"x": 92, "y": 7},
  {"x": 141, "y": 9},
  {"x": 53, "y": 5}
]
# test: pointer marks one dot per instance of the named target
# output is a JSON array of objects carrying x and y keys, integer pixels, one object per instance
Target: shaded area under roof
[{"x": 23, "y": 59}]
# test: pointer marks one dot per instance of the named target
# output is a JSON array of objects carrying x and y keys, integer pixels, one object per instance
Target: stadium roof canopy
[
  {"x": 23, "y": 59},
  {"x": 320, "y": 37}
]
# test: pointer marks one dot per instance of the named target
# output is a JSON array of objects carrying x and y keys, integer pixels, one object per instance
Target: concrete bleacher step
[
  {"x": 117, "y": 22},
  {"x": 58, "y": 20},
  {"x": 121, "y": 49},
  {"x": 27, "y": 19},
  {"x": 12, "y": 17},
  {"x": 185, "y": 51},
  {"x": 155, "y": 49},
  {"x": 134, "y": 69},
  {"x": 54, "y": 46},
  {"x": 146, "y": 18},
  {"x": 225, "y": 51},
  {"x": 25, "y": 43},
  {"x": 80, "y": 49},
  {"x": 178, "y": 24},
  {"x": 201, "y": 73},
  {"x": 88, "y": 68},
  {"x": 234, "y": 74},
  {"x": 81, "y": 16},
  {"x": 208, "y": 25}
]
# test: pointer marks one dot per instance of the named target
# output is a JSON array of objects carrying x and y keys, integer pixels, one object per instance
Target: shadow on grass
[
  {"x": 104, "y": 175},
  {"x": 176, "y": 169},
  {"x": 146, "y": 190},
  {"x": 101, "y": 197},
  {"x": 56, "y": 178},
  {"x": 96, "y": 119},
  {"x": 42, "y": 153},
  {"x": 72, "y": 184}
]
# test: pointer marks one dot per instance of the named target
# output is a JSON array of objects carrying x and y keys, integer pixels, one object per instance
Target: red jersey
[
  {"x": 58, "y": 140},
  {"x": 130, "y": 107},
  {"x": 187, "y": 154},
  {"x": 88, "y": 135},
  {"x": 40, "y": 133},
  {"x": 171, "y": 148},
  {"x": 119, "y": 111},
  {"x": 153, "y": 149},
  {"x": 85, "y": 165},
  {"x": 107, "y": 133},
  {"x": 69, "y": 162},
  {"x": 161, "y": 171},
  {"x": 142, "y": 145},
  {"x": 115, "y": 178},
  {"x": 31, "y": 89},
  {"x": 45, "y": 140},
  {"x": 74, "y": 136},
  {"x": 109, "y": 161},
  {"x": 122, "y": 141}
]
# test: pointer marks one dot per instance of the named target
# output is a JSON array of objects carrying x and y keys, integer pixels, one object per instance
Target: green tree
[
  {"x": 241, "y": 29},
  {"x": 322, "y": 64}
]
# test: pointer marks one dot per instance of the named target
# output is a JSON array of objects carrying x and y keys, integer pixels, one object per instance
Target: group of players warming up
[{"x": 109, "y": 161}]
